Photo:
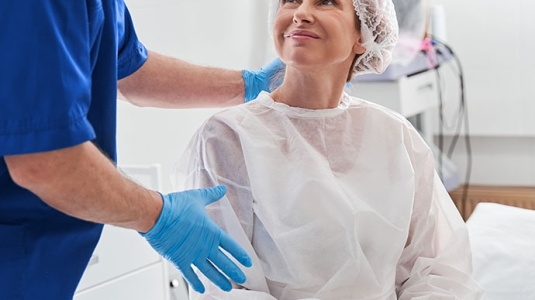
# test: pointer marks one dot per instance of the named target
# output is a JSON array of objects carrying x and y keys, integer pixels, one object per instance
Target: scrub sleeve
[{"x": 60, "y": 62}]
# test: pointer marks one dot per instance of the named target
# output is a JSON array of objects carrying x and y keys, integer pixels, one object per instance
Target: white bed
[{"x": 503, "y": 249}]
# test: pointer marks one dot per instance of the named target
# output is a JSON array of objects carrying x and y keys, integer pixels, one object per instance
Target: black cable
[
  {"x": 464, "y": 110},
  {"x": 440, "y": 127},
  {"x": 457, "y": 120}
]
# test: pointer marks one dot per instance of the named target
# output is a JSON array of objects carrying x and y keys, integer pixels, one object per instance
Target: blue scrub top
[{"x": 59, "y": 65}]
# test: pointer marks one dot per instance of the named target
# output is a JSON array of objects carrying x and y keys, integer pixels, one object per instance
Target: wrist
[{"x": 153, "y": 214}]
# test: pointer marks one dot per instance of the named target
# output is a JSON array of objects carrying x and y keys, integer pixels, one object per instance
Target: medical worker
[
  {"x": 60, "y": 62},
  {"x": 333, "y": 197}
]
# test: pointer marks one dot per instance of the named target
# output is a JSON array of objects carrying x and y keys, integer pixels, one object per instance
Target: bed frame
[{"x": 518, "y": 196}]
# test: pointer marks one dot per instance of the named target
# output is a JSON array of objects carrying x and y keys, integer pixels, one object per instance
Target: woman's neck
[{"x": 312, "y": 90}]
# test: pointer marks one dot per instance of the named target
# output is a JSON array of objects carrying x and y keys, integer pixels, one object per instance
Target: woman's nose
[{"x": 304, "y": 13}]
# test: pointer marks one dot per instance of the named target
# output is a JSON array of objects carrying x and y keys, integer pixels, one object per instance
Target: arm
[
  {"x": 436, "y": 261},
  {"x": 172, "y": 83},
  {"x": 76, "y": 178},
  {"x": 80, "y": 181},
  {"x": 168, "y": 82}
]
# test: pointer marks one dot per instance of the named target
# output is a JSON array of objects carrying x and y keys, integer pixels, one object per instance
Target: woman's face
[{"x": 320, "y": 33}]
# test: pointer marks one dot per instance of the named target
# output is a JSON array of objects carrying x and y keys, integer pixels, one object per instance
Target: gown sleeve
[
  {"x": 214, "y": 157},
  {"x": 436, "y": 262}
]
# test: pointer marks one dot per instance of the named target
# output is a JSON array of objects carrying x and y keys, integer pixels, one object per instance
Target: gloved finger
[
  {"x": 210, "y": 195},
  {"x": 192, "y": 279},
  {"x": 234, "y": 249},
  {"x": 227, "y": 266},
  {"x": 274, "y": 65},
  {"x": 214, "y": 275},
  {"x": 273, "y": 71}
]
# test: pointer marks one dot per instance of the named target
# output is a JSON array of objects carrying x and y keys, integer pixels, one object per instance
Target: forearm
[
  {"x": 172, "y": 83},
  {"x": 80, "y": 181}
]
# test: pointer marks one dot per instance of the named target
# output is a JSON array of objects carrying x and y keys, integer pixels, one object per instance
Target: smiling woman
[
  {"x": 332, "y": 196},
  {"x": 334, "y": 34}
]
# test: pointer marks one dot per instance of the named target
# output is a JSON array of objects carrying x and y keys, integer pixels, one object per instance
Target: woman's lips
[{"x": 302, "y": 34}]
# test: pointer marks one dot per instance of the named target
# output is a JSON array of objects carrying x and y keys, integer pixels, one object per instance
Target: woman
[{"x": 333, "y": 197}]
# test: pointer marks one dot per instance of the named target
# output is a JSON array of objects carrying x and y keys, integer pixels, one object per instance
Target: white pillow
[{"x": 503, "y": 249}]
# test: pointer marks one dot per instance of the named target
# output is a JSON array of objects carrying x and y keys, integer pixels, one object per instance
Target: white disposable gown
[{"x": 330, "y": 204}]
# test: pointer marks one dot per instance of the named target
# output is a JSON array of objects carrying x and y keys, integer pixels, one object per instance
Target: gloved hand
[
  {"x": 257, "y": 81},
  {"x": 185, "y": 235}
]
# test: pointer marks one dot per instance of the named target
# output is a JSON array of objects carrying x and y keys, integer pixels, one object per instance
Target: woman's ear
[{"x": 358, "y": 48}]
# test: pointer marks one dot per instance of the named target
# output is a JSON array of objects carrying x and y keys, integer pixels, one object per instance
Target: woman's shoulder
[
  {"x": 236, "y": 114},
  {"x": 230, "y": 118},
  {"x": 377, "y": 110}
]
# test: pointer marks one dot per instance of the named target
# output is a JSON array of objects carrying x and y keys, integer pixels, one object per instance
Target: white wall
[
  {"x": 498, "y": 160},
  {"x": 495, "y": 41},
  {"x": 230, "y": 34}
]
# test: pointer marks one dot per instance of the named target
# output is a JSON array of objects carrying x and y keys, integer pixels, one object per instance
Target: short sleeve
[
  {"x": 45, "y": 75},
  {"x": 132, "y": 53}
]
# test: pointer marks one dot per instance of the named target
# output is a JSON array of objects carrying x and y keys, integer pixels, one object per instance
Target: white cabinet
[
  {"x": 119, "y": 254},
  {"x": 408, "y": 96},
  {"x": 143, "y": 284}
]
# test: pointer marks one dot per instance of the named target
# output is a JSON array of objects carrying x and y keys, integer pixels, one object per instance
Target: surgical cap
[{"x": 378, "y": 28}]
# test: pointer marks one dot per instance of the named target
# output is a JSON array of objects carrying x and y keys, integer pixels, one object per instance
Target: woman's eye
[
  {"x": 327, "y": 2},
  {"x": 288, "y": 1}
]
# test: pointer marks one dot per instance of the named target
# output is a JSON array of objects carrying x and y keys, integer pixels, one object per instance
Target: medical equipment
[
  {"x": 411, "y": 85},
  {"x": 412, "y": 21}
]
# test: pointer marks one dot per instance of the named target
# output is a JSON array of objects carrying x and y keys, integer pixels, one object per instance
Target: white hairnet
[{"x": 379, "y": 31}]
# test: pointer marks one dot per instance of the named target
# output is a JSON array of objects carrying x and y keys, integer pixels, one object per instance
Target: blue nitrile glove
[
  {"x": 257, "y": 81},
  {"x": 185, "y": 235}
]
